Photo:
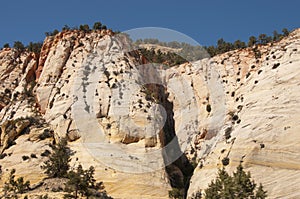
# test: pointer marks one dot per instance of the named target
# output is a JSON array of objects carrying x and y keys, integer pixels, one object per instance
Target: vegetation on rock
[
  {"x": 80, "y": 182},
  {"x": 239, "y": 185},
  {"x": 13, "y": 187},
  {"x": 223, "y": 46},
  {"x": 58, "y": 163}
]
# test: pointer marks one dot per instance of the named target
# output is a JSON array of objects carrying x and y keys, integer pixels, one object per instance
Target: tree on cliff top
[{"x": 19, "y": 46}]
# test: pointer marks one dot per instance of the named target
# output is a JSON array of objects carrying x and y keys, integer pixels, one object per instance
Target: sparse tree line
[
  {"x": 188, "y": 52},
  {"x": 37, "y": 46},
  {"x": 223, "y": 46},
  {"x": 84, "y": 27},
  {"x": 192, "y": 53},
  {"x": 31, "y": 47},
  {"x": 167, "y": 58}
]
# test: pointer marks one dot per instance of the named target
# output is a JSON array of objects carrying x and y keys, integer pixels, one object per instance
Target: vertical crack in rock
[{"x": 178, "y": 168}]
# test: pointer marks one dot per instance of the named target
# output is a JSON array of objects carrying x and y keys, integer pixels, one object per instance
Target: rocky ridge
[{"x": 241, "y": 105}]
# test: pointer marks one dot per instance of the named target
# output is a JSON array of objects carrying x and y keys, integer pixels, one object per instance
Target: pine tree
[
  {"x": 239, "y": 185},
  {"x": 260, "y": 194},
  {"x": 276, "y": 36},
  {"x": 66, "y": 28},
  {"x": 97, "y": 26},
  {"x": 84, "y": 28},
  {"x": 35, "y": 47},
  {"x": 262, "y": 38},
  {"x": 58, "y": 163},
  {"x": 285, "y": 32},
  {"x": 239, "y": 44},
  {"x": 19, "y": 46},
  {"x": 221, "y": 187},
  {"x": 82, "y": 182},
  {"x": 252, "y": 41},
  {"x": 243, "y": 185},
  {"x": 6, "y": 45}
]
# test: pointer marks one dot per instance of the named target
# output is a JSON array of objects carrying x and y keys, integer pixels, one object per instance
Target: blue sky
[{"x": 204, "y": 21}]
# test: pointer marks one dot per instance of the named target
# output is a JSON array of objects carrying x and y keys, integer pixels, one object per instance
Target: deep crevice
[{"x": 178, "y": 168}]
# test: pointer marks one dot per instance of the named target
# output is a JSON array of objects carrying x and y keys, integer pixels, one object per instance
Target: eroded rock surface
[{"x": 242, "y": 105}]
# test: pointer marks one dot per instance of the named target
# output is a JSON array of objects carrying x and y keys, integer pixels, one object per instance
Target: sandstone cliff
[
  {"x": 260, "y": 127},
  {"x": 89, "y": 87}
]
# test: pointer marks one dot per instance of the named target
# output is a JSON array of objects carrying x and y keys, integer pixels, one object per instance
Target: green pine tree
[
  {"x": 82, "y": 182},
  {"x": 285, "y": 32},
  {"x": 19, "y": 46},
  {"x": 97, "y": 26},
  {"x": 239, "y": 186},
  {"x": 244, "y": 187},
  {"x": 252, "y": 41},
  {"x": 260, "y": 193},
  {"x": 6, "y": 45},
  {"x": 58, "y": 163}
]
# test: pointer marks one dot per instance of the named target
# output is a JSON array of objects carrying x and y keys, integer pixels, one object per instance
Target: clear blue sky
[{"x": 205, "y": 21}]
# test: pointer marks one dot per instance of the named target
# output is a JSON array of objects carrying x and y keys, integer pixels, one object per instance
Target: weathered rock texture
[
  {"x": 261, "y": 86},
  {"x": 77, "y": 75},
  {"x": 87, "y": 87}
]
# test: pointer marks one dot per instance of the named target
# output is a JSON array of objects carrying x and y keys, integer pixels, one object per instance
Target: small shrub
[
  {"x": 25, "y": 157},
  {"x": 208, "y": 108},
  {"x": 12, "y": 186},
  {"x": 46, "y": 153},
  {"x": 176, "y": 193},
  {"x": 33, "y": 156},
  {"x": 228, "y": 133},
  {"x": 225, "y": 161},
  {"x": 276, "y": 65},
  {"x": 235, "y": 117}
]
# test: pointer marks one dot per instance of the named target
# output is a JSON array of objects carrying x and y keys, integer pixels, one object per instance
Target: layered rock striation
[{"x": 130, "y": 118}]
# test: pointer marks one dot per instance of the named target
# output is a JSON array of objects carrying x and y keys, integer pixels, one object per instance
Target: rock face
[
  {"x": 259, "y": 129},
  {"x": 10, "y": 130},
  {"x": 90, "y": 88},
  {"x": 82, "y": 88}
]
